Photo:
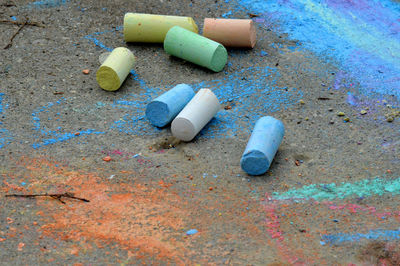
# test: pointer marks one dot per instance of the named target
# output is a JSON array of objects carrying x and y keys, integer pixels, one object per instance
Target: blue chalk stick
[
  {"x": 264, "y": 142},
  {"x": 162, "y": 110}
]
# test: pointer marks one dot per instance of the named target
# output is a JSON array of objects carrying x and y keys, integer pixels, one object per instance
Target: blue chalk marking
[
  {"x": 5, "y": 137},
  {"x": 162, "y": 110},
  {"x": 361, "y": 36},
  {"x": 47, "y": 3},
  {"x": 14, "y": 18},
  {"x": 227, "y": 14},
  {"x": 262, "y": 146},
  {"x": 378, "y": 234},
  {"x": 2, "y": 106},
  {"x": 192, "y": 232},
  {"x": 351, "y": 99},
  {"x": 55, "y": 136},
  {"x": 64, "y": 137}
]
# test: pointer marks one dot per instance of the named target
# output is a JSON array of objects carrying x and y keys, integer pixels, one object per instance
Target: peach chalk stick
[
  {"x": 153, "y": 28},
  {"x": 231, "y": 32}
]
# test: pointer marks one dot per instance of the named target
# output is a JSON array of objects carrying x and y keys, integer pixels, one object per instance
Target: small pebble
[
  {"x": 331, "y": 122},
  {"x": 107, "y": 159},
  {"x": 363, "y": 112},
  {"x": 340, "y": 114},
  {"x": 330, "y": 109},
  {"x": 306, "y": 118},
  {"x": 390, "y": 119},
  {"x": 302, "y": 102},
  {"x": 346, "y": 119},
  {"x": 86, "y": 71},
  {"x": 192, "y": 232}
]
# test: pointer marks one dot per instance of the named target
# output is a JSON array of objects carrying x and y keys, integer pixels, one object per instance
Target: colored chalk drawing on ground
[
  {"x": 2, "y": 106},
  {"x": 250, "y": 92},
  {"x": 361, "y": 36},
  {"x": 5, "y": 137},
  {"x": 384, "y": 235},
  {"x": 363, "y": 188},
  {"x": 47, "y": 3},
  {"x": 58, "y": 134},
  {"x": 322, "y": 194}
]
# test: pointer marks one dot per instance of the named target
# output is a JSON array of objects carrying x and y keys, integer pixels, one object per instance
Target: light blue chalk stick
[
  {"x": 162, "y": 110},
  {"x": 264, "y": 142}
]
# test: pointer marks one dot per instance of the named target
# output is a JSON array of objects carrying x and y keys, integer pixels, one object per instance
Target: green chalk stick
[{"x": 195, "y": 48}]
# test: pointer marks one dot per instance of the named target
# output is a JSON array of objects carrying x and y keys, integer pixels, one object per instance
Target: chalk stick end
[
  {"x": 219, "y": 59},
  {"x": 107, "y": 79},
  {"x": 253, "y": 34},
  {"x": 183, "y": 129},
  {"x": 255, "y": 163},
  {"x": 158, "y": 114}
]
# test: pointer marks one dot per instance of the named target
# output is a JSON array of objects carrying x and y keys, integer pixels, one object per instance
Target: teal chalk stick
[{"x": 195, "y": 48}]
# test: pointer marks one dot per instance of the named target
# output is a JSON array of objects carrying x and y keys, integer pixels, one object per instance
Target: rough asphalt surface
[{"x": 57, "y": 125}]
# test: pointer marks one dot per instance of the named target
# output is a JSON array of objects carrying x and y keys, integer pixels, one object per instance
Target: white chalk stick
[{"x": 197, "y": 113}]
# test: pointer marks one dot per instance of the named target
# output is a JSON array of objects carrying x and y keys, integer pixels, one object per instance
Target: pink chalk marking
[
  {"x": 273, "y": 229},
  {"x": 354, "y": 208},
  {"x": 118, "y": 152}
]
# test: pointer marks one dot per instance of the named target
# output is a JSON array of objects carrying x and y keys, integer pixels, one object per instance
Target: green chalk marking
[
  {"x": 195, "y": 48},
  {"x": 363, "y": 188}
]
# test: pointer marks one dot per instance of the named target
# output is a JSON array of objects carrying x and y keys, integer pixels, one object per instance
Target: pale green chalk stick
[
  {"x": 153, "y": 28},
  {"x": 195, "y": 48},
  {"x": 115, "y": 69}
]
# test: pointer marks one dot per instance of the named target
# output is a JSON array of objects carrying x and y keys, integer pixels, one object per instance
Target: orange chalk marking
[{"x": 86, "y": 71}]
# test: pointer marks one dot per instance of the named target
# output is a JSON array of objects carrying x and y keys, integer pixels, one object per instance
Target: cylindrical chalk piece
[
  {"x": 197, "y": 113},
  {"x": 231, "y": 32},
  {"x": 195, "y": 48},
  {"x": 262, "y": 146},
  {"x": 162, "y": 110},
  {"x": 153, "y": 28},
  {"x": 115, "y": 69}
]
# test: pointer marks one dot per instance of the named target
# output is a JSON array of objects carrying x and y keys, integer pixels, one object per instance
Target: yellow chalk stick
[
  {"x": 115, "y": 69},
  {"x": 153, "y": 28}
]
